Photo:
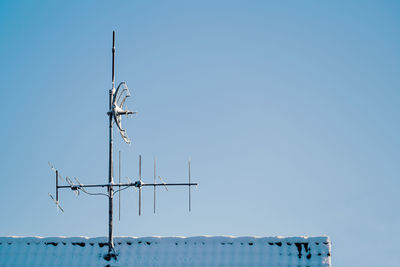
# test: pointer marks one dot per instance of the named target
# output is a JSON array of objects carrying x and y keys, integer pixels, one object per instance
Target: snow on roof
[{"x": 166, "y": 251}]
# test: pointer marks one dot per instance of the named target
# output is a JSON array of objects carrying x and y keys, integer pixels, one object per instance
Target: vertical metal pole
[
  {"x": 110, "y": 159},
  {"x": 140, "y": 188},
  {"x": 113, "y": 60},
  {"x": 119, "y": 187},
  {"x": 57, "y": 186},
  {"x": 190, "y": 199},
  {"x": 154, "y": 200}
]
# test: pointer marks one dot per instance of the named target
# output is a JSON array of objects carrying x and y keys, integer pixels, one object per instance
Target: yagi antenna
[{"x": 117, "y": 99}]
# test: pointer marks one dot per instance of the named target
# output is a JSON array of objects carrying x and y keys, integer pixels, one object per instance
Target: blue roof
[{"x": 166, "y": 251}]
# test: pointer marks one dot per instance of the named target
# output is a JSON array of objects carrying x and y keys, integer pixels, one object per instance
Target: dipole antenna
[{"x": 117, "y": 97}]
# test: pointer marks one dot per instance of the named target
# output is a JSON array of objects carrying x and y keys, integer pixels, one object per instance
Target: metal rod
[
  {"x": 190, "y": 203},
  {"x": 57, "y": 186},
  {"x": 87, "y": 185},
  {"x": 140, "y": 167},
  {"x": 125, "y": 185},
  {"x": 154, "y": 199},
  {"x": 113, "y": 59},
  {"x": 119, "y": 187},
  {"x": 110, "y": 159},
  {"x": 140, "y": 188},
  {"x": 175, "y": 184}
]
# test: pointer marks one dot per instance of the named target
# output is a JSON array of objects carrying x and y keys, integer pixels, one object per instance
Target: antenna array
[{"x": 116, "y": 110}]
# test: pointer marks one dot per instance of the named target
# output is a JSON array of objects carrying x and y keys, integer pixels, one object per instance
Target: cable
[
  {"x": 92, "y": 194},
  {"x": 126, "y": 187}
]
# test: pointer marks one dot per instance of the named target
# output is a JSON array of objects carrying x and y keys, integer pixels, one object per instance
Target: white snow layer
[{"x": 166, "y": 251}]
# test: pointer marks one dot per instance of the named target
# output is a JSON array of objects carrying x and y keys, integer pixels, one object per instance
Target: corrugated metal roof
[{"x": 166, "y": 251}]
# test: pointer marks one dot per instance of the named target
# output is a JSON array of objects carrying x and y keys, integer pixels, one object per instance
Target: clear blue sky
[{"x": 289, "y": 111}]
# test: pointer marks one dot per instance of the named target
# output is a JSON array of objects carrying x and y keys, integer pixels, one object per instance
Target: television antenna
[{"x": 117, "y": 98}]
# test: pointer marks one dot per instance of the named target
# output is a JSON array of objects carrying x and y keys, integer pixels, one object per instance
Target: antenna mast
[
  {"x": 117, "y": 97},
  {"x": 110, "y": 153}
]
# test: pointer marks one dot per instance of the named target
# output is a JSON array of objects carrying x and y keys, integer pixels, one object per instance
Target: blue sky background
[{"x": 288, "y": 109}]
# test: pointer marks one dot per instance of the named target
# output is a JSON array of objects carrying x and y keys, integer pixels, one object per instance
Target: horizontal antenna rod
[
  {"x": 168, "y": 184},
  {"x": 130, "y": 184}
]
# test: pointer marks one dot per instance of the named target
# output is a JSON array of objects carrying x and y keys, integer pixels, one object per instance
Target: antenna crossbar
[{"x": 136, "y": 184}]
